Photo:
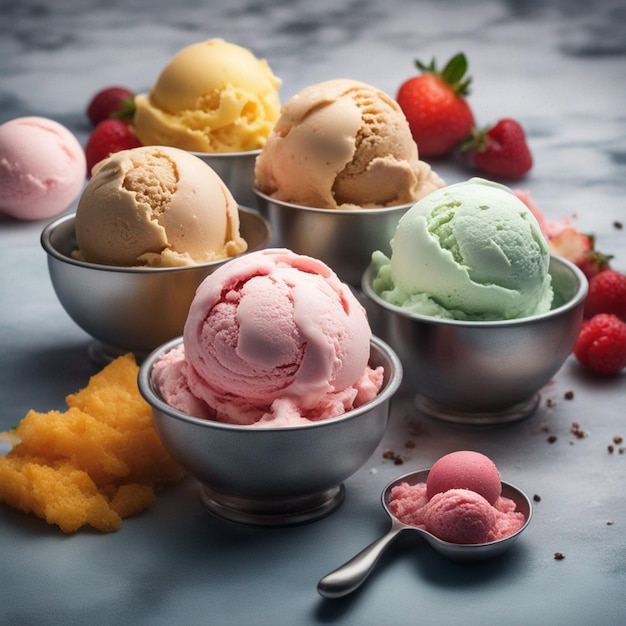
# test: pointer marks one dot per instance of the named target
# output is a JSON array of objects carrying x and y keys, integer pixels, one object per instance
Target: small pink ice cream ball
[
  {"x": 465, "y": 469},
  {"x": 459, "y": 516},
  {"x": 42, "y": 168}
]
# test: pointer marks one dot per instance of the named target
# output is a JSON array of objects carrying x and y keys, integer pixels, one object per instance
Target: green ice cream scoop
[{"x": 472, "y": 251}]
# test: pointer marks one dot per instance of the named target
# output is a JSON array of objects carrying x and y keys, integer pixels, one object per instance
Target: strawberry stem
[
  {"x": 476, "y": 140},
  {"x": 453, "y": 73},
  {"x": 127, "y": 112}
]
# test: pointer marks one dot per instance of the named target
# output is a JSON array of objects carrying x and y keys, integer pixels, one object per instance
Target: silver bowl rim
[
  {"x": 242, "y": 153},
  {"x": 577, "y": 299},
  {"x": 364, "y": 211},
  {"x": 152, "y": 397},
  {"x": 46, "y": 243}
]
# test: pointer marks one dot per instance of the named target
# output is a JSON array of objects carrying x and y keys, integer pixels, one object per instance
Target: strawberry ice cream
[
  {"x": 460, "y": 516},
  {"x": 460, "y": 501},
  {"x": 465, "y": 469},
  {"x": 42, "y": 168},
  {"x": 272, "y": 339}
]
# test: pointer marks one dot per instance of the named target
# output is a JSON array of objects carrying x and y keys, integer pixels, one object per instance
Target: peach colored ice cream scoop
[
  {"x": 273, "y": 338},
  {"x": 156, "y": 206},
  {"x": 343, "y": 144},
  {"x": 42, "y": 168}
]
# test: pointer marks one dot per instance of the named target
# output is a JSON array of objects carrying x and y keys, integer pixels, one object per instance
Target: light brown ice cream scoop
[
  {"x": 159, "y": 207},
  {"x": 343, "y": 144}
]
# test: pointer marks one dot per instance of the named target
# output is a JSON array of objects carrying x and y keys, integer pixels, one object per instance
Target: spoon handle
[{"x": 349, "y": 576}]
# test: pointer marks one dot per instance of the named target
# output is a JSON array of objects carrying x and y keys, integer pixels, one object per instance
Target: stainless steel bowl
[
  {"x": 273, "y": 476},
  {"x": 344, "y": 240},
  {"x": 236, "y": 169},
  {"x": 130, "y": 309},
  {"x": 484, "y": 372}
]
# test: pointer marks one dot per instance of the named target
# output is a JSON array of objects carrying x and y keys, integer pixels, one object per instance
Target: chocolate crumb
[
  {"x": 569, "y": 395},
  {"x": 550, "y": 403},
  {"x": 610, "y": 448},
  {"x": 537, "y": 498},
  {"x": 621, "y": 450},
  {"x": 559, "y": 556},
  {"x": 617, "y": 439},
  {"x": 391, "y": 455},
  {"x": 577, "y": 431},
  {"x": 551, "y": 438},
  {"x": 609, "y": 522},
  {"x": 618, "y": 225}
]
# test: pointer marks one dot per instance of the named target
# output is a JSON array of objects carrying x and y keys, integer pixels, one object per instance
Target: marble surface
[{"x": 556, "y": 65}]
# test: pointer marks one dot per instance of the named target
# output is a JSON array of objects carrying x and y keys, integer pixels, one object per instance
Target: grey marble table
[{"x": 559, "y": 67}]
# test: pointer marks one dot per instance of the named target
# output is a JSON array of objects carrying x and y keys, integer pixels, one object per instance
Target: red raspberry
[
  {"x": 601, "y": 344},
  {"x": 607, "y": 294}
]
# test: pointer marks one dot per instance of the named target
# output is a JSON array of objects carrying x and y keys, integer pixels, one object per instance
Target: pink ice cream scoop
[
  {"x": 42, "y": 168},
  {"x": 459, "y": 516},
  {"x": 272, "y": 338},
  {"x": 465, "y": 469},
  {"x": 460, "y": 501}
]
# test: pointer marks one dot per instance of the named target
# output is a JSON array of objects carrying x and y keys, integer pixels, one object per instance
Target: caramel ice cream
[
  {"x": 343, "y": 144},
  {"x": 156, "y": 206}
]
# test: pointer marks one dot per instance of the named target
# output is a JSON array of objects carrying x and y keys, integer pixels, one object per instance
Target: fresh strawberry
[
  {"x": 607, "y": 294},
  {"x": 109, "y": 136},
  {"x": 594, "y": 262},
  {"x": 601, "y": 344},
  {"x": 435, "y": 106},
  {"x": 116, "y": 102},
  {"x": 579, "y": 248},
  {"x": 499, "y": 151}
]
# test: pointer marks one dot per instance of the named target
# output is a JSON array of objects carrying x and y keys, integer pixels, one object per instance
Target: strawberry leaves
[{"x": 453, "y": 73}]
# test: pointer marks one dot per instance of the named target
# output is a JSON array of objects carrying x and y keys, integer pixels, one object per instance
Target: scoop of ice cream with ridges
[
  {"x": 272, "y": 338},
  {"x": 343, "y": 144},
  {"x": 212, "y": 96},
  {"x": 468, "y": 251},
  {"x": 156, "y": 206}
]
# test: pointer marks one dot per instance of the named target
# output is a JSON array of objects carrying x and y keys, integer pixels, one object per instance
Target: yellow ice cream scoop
[{"x": 212, "y": 96}]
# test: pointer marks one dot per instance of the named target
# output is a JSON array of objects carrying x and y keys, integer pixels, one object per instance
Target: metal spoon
[{"x": 349, "y": 576}]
